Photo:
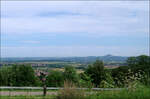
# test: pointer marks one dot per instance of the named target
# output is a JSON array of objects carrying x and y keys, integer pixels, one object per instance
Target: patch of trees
[
  {"x": 138, "y": 67},
  {"x": 57, "y": 78},
  {"x": 18, "y": 75},
  {"x": 95, "y": 75}
]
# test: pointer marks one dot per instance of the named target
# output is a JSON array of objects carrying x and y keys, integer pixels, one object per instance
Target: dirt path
[{"x": 13, "y": 93}]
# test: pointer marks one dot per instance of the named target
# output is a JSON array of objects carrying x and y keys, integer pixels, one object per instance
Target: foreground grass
[
  {"x": 28, "y": 90},
  {"x": 139, "y": 93},
  {"x": 125, "y": 94},
  {"x": 27, "y": 97}
]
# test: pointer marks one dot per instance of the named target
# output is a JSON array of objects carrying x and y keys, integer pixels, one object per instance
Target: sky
[{"x": 74, "y": 28}]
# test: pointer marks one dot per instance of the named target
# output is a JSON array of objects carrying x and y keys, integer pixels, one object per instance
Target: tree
[
  {"x": 139, "y": 60},
  {"x": 19, "y": 75},
  {"x": 70, "y": 74},
  {"x": 55, "y": 79},
  {"x": 96, "y": 72},
  {"x": 139, "y": 63},
  {"x": 131, "y": 61},
  {"x": 5, "y": 76},
  {"x": 85, "y": 80},
  {"x": 27, "y": 75}
]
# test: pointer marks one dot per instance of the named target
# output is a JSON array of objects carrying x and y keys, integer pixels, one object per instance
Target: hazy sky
[{"x": 81, "y": 28}]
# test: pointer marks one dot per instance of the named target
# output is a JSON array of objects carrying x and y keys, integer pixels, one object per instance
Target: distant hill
[{"x": 85, "y": 60}]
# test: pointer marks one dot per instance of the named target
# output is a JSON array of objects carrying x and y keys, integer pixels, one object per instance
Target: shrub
[
  {"x": 70, "y": 92},
  {"x": 108, "y": 82}
]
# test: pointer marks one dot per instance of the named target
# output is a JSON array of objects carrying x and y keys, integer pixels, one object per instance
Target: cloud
[
  {"x": 80, "y": 18},
  {"x": 75, "y": 24},
  {"x": 31, "y": 8},
  {"x": 28, "y": 23}
]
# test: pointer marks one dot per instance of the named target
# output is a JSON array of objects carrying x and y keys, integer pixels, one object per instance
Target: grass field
[
  {"x": 27, "y": 97},
  {"x": 140, "y": 93}
]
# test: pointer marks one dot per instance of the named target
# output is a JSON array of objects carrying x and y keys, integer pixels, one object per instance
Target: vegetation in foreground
[
  {"x": 70, "y": 92},
  {"x": 125, "y": 94},
  {"x": 135, "y": 77},
  {"x": 27, "y": 97}
]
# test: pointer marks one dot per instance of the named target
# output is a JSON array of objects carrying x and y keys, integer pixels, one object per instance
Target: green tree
[
  {"x": 5, "y": 76},
  {"x": 96, "y": 72},
  {"x": 139, "y": 60},
  {"x": 139, "y": 63},
  {"x": 55, "y": 79},
  {"x": 132, "y": 61},
  {"x": 24, "y": 75},
  {"x": 18, "y": 75},
  {"x": 70, "y": 74},
  {"x": 85, "y": 80}
]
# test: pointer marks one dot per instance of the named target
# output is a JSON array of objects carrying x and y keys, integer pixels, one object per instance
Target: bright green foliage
[
  {"x": 85, "y": 81},
  {"x": 70, "y": 74},
  {"x": 140, "y": 93},
  {"x": 18, "y": 75},
  {"x": 55, "y": 79}
]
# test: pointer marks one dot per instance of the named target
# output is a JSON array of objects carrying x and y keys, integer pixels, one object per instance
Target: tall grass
[
  {"x": 70, "y": 92},
  {"x": 139, "y": 93}
]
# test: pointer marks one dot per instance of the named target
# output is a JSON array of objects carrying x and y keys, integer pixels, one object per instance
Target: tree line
[{"x": 95, "y": 75}]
